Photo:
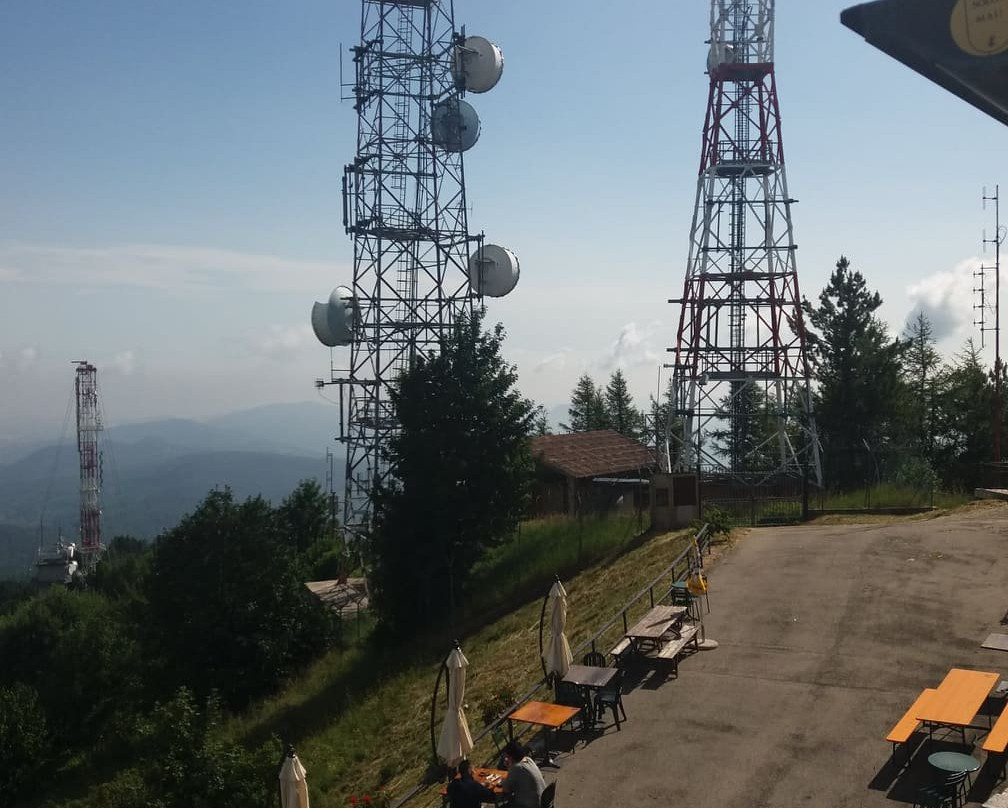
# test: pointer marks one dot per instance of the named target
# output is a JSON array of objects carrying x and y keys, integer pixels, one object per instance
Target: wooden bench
[
  {"x": 672, "y": 650},
  {"x": 617, "y": 651},
  {"x": 907, "y": 725},
  {"x": 997, "y": 738}
]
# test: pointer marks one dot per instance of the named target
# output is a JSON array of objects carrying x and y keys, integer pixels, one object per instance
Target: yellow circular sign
[{"x": 980, "y": 27}]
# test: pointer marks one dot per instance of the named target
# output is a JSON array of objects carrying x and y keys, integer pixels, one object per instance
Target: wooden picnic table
[
  {"x": 491, "y": 778},
  {"x": 650, "y": 628},
  {"x": 591, "y": 676},
  {"x": 958, "y": 699}
]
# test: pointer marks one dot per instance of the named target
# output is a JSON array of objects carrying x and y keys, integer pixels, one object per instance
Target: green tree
[
  {"x": 78, "y": 650},
  {"x": 304, "y": 516},
  {"x": 193, "y": 767},
  {"x": 748, "y": 441},
  {"x": 964, "y": 423},
  {"x": 463, "y": 475},
  {"x": 540, "y": 422},
  {"x": 24, "y": 738},
  {"x": 859, "y": 378},
  {"x": 624, "y": 417},
  {"x": 665, "y": 427},
  {"x": 922, "y": 371},
  {"x": 122, "y": 571},
  {"x": 587, "y": 409},
  {"x": 228, "y": 609}
]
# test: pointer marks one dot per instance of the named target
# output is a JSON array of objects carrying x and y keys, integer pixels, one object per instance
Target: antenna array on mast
[
  {"x": 741, "y": 375},
  {"x": 417, "y": 267}
]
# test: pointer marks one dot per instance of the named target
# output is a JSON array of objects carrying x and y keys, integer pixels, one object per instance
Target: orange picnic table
[
  {"x": 544, "y": 714},
  {"x": 958, "y": 698}
]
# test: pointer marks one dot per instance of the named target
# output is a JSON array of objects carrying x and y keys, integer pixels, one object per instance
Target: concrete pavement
[{"x": 826, "y": 635}]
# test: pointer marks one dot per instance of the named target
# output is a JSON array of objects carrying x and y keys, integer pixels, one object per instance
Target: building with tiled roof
[{"x": 590, "y": 471}]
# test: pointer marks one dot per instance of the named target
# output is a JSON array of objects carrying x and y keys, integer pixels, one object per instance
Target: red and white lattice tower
[
  {"x": 88, "y": 426},
  {"x": 741, "y": 374}
]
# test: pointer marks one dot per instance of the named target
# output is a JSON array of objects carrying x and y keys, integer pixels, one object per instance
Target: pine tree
[
  {"x": 964, "y": 419},
  {"x": 587, "y": 409},
  {"x": 463, "y": 476},
  {"x": 748, "y": 441},
  {"x": 665, "y": 428},
  {"x": 859, "y": 377},
  {"x": 922, "y": 373},
  {"x": 624, "y": 417}
]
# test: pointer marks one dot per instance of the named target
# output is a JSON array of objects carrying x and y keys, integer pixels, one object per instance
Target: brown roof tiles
[{"x": 599, "y": 453}]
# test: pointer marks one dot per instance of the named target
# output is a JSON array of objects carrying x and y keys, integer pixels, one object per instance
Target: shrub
[
  {"x": 24, "y": 740},
  {"x": 492, "y": 708}
]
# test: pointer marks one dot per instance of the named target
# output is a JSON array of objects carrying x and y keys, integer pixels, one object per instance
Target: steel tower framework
[
  {"x": 741, "y": 374},
  {"x": 404, "y": 205},
  {"x": 89, "y": 424}
]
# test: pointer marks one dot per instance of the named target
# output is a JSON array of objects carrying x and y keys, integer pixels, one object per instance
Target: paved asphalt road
[{"x": 827, "y": 634}]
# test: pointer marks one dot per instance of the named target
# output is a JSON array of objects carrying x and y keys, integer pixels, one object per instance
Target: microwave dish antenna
[
  {"x": 493, "y": 271},
  {"x": 719, "y": 54},
  {"x": 455, "y": 126},
  {"x": 478, "y": 64},
  {"x": 333, "y": 322}
]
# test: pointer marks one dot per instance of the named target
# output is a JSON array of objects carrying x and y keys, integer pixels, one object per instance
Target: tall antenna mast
[
  {"x": 741, "y": 374},
  {"x": 417, "y": 268},
  {"x": 999, "y": 235},
  {"x": 88, "y": 426}
]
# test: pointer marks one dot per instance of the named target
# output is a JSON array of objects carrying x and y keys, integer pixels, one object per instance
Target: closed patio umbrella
[
  {"x": 557, "y": 654},
  {"x": 293, "y": 782},
  {"x": 455, "y": 742}
]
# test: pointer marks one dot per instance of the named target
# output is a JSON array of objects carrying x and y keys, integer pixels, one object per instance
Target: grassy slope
[{"x": 358, "y": 740}]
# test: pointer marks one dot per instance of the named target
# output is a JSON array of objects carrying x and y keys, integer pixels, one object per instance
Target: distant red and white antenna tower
[
  {"x": 741, "y": 374},
  {"x": 88, "y": 426}
]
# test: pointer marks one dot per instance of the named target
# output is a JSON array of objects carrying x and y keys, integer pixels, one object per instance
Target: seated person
[
  {"x": 524, "y": 782},
  {"x": 465, "y": 792}
]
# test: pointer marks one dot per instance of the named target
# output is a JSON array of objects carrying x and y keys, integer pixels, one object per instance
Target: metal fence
[
  {"x": 777, "y": 500},
  {"x": 605, "y": 637}
]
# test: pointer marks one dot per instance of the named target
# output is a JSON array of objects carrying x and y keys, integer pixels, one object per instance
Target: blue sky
[{"x": 170, "y": 189}]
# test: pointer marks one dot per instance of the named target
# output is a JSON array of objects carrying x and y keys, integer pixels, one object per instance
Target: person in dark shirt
[{"x": 465, "y": 792}]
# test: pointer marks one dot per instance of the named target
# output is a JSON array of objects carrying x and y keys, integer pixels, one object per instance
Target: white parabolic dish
[
  {"x": 478, "y": 64},
  {"x": 719, "y": 54},
  {"x": 455, "y": 126},
  {"x": 493, "y": 271},
  {"x": 333, "y": 321}
]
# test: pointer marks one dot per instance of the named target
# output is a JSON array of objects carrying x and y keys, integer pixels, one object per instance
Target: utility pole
[{"x": 999, "y": 236}]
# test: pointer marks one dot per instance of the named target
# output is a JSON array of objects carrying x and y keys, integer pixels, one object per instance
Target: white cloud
[
  {"x": 947, "y": 299},
  {"x": 633, "y": 347},
  {"x": 552, "y": 362},
  {"x": 123, "y": 362},
  {"x": 26, "y": 359},
  {"x": 155, "y": 266},
  {"x": 280, "y": 342}
]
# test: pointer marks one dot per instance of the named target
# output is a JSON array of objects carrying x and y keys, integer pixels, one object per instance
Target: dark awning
[{"x": 960, "y": 44}]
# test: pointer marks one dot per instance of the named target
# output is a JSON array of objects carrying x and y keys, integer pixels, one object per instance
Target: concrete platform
[{"x": 827, "y": 634}]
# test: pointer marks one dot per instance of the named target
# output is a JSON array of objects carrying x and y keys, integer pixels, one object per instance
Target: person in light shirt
[{"x": 524, "y": 783}]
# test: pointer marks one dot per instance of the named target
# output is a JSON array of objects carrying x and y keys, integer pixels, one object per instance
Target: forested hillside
[
  {"x": 154, "y": 473},
  {"x": 132, "y": 674}
]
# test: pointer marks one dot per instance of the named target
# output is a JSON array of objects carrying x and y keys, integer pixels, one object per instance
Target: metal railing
[{"x": 674, "y": 573}]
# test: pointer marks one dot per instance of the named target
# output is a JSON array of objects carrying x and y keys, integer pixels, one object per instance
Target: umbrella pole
[
  {"x": 542, "y": 620},
  {"x": 433, "y": 703}
]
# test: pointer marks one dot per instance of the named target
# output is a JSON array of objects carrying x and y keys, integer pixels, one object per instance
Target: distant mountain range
[{"x": 156, "y": 472}]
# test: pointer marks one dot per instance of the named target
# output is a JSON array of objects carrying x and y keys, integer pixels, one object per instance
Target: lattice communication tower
[
  {"x": 416, "y": 267},
  {"x": 741, "y": 374},
  {"x": 89, "y": 424}
]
